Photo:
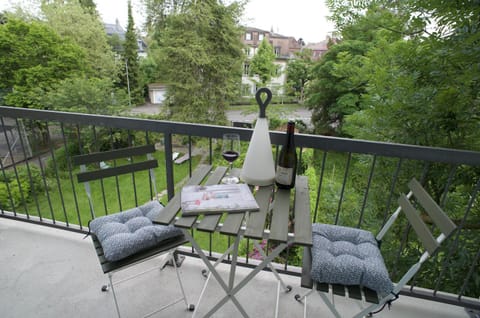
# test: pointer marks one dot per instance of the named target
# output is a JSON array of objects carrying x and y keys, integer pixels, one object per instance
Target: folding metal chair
[
  {"x": 126, "y": 238},
  {"x": 347, "y": 261}
]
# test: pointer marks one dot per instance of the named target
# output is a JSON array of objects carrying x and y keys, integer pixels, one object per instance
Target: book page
[{"x": 217, "y": 198}]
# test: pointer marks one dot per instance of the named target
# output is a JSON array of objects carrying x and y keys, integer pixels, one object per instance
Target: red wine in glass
[
  {"x": 230, "y": 152},
  {"x": 230, "y": 155}
]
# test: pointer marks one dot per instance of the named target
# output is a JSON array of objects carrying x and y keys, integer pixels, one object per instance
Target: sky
[{"x": 306, "y": 19}]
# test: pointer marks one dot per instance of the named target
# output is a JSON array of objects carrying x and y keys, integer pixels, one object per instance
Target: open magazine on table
[{"x": 215, "y": 199}]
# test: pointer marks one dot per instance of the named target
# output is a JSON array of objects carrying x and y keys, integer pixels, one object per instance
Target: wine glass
[{"x": 230, "y": 152}]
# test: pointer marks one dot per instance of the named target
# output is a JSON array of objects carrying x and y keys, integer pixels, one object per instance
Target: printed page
[{"x": 216, "y": 199}]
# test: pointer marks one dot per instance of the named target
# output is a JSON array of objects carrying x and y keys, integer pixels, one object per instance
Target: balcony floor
[{"x": 46, "y": 272}]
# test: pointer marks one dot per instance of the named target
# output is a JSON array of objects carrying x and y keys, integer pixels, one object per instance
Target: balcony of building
[{"x": 52, "y": 270}]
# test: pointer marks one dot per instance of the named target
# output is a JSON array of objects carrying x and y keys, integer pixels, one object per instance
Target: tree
[
  {"x": 299, "y": 72},
  {"x": 199, "y": 56},
  {"x": 130, "y": 75},
  {"x": 338, "y": 81},
  {"x": 420, "y": 86},
  {"x": 262, "y": 63},
  {"x": 335, "y": 88},
  {"x": 79, "y": 94},
  {"x": 28, "y": 73},
  {"x": 89, "y": 6},
  {"x": 71, "y": 21}
]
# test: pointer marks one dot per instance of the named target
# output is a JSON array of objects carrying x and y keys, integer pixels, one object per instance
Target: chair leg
[
  {"x": 190, "y": 307},
  {"x": 114, "y": 295},
  {"x": 178, "y": 259},
  {"x": 303, "y": 298},
  {"x": 329, "y": 304}
]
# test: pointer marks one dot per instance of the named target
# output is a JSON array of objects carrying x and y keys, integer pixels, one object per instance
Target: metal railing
[{"x": 352, "y": 182}]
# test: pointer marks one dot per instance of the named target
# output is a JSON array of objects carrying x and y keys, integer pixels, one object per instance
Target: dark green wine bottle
[{"x": 287, "y": 161}]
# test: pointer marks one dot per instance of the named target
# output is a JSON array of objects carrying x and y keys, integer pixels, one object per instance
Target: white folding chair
[
  {"x": 347, "y": 261},
  {"x": 127, "y": 238}
]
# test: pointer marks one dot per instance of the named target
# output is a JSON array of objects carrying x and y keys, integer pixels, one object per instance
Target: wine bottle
[{"x": 287, "y": 161}]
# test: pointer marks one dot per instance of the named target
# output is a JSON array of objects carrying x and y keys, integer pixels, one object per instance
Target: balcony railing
[{"x": 352, "y": 182}]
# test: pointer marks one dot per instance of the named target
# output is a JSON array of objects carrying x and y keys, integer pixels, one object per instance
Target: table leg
[
  {"x": 217, "y": 276},
  {"x": 248, "y": 278},
  {"x": 274, "y": 271},
  {"x": 233, "y": 265}
]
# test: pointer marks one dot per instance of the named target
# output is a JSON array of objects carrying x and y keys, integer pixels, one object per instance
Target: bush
[
  {"x": 63, "y": 159},
  {"x": 14, "y": 191}
]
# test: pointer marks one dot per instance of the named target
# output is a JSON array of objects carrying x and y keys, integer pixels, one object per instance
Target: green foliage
[
  {"x": 414, "y": 101},
  {"x": 262, "y": 63},
  {"x": 17, "y": 186},
  {"x": 335, "y": 89},
  {"x": 199, "y": 56},
  {"x": 61, "y": 161},
  {"x": 10, "y": 195},
  {"x": 80, "y": 94},
  {"x": 28, "y": 73},
  {"x": 79, "y": 22},
  {"x": 130, "y": 76},
  {"x": 299, "y": 73},
  {"x": 416, "y": 85}
]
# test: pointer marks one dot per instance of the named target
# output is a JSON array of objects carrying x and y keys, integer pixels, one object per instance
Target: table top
[{"x": 273, "y": 203}]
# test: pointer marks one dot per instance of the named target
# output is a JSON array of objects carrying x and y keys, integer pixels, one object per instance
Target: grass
[{"x": 66, "y": 199}]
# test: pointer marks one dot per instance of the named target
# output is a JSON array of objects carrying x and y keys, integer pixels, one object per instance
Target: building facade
[{"x": 284, "y": 48}]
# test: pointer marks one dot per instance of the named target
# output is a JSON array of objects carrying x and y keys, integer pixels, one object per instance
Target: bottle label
[{"x": 284, "y": 175}]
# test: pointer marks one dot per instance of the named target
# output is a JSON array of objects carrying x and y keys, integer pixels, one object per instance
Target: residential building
[
  {"x": 284, "y": 48},
  {"x": 320, "y": 48}
]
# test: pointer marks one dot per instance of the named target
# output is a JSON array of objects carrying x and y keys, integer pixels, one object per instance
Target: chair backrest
[
  {"x": 436, "y": 214},
  {"x": 424, "y": 232},
  {"x": 99, "y": 169}
]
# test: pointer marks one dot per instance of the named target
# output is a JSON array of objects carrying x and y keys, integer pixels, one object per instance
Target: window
[
  {"x": 261, "y": 36},
  {"x": 246, "y": 69},
  {"x": 247, "y": 51},
  {"x": 248, "y": 36},
  {"x": 277, "y": 50}
]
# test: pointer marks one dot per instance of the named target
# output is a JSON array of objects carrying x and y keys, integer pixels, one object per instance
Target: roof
[
  {"x": 319, "y": 46},
  {"x": 116, "y": 28}
]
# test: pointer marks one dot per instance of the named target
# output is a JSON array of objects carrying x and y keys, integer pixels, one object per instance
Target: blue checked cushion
[
  {"x": 126, "y": 233},
  {"x": 348, "y": 256}
]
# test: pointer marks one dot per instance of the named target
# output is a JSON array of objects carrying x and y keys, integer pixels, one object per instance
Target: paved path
[{"x": 232, "y": 115}]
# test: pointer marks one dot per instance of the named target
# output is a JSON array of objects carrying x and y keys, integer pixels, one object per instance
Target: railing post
[{"x": 169, "y": 165}]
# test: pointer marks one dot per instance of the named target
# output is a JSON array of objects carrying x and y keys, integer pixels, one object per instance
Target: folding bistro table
[{"x": 250, "y": 225}]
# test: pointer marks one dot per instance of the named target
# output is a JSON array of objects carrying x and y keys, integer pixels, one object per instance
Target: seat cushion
[
  {"x": 126, "y": 233},
  {"x": 348, "y": 256}
]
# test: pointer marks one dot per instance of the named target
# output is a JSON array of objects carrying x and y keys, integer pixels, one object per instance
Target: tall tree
[
  {"x": 299, "y": 73},
  {"x": 420, "y": 79},
  {"x": 33, "y": 57},
  {"x": 338, "y": 82},
  {"x": 199, "y": 56},
  {"x": 130, "y": 74},
  {"x": 71, "y": 21},
  {"x": 262, "y": 63},
  {"x": 89, "y": 6}
]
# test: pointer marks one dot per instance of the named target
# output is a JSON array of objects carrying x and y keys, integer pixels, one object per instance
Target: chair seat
[
  {"x": 348, "y": 256},
  {"x": 126, "y": 233}
]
